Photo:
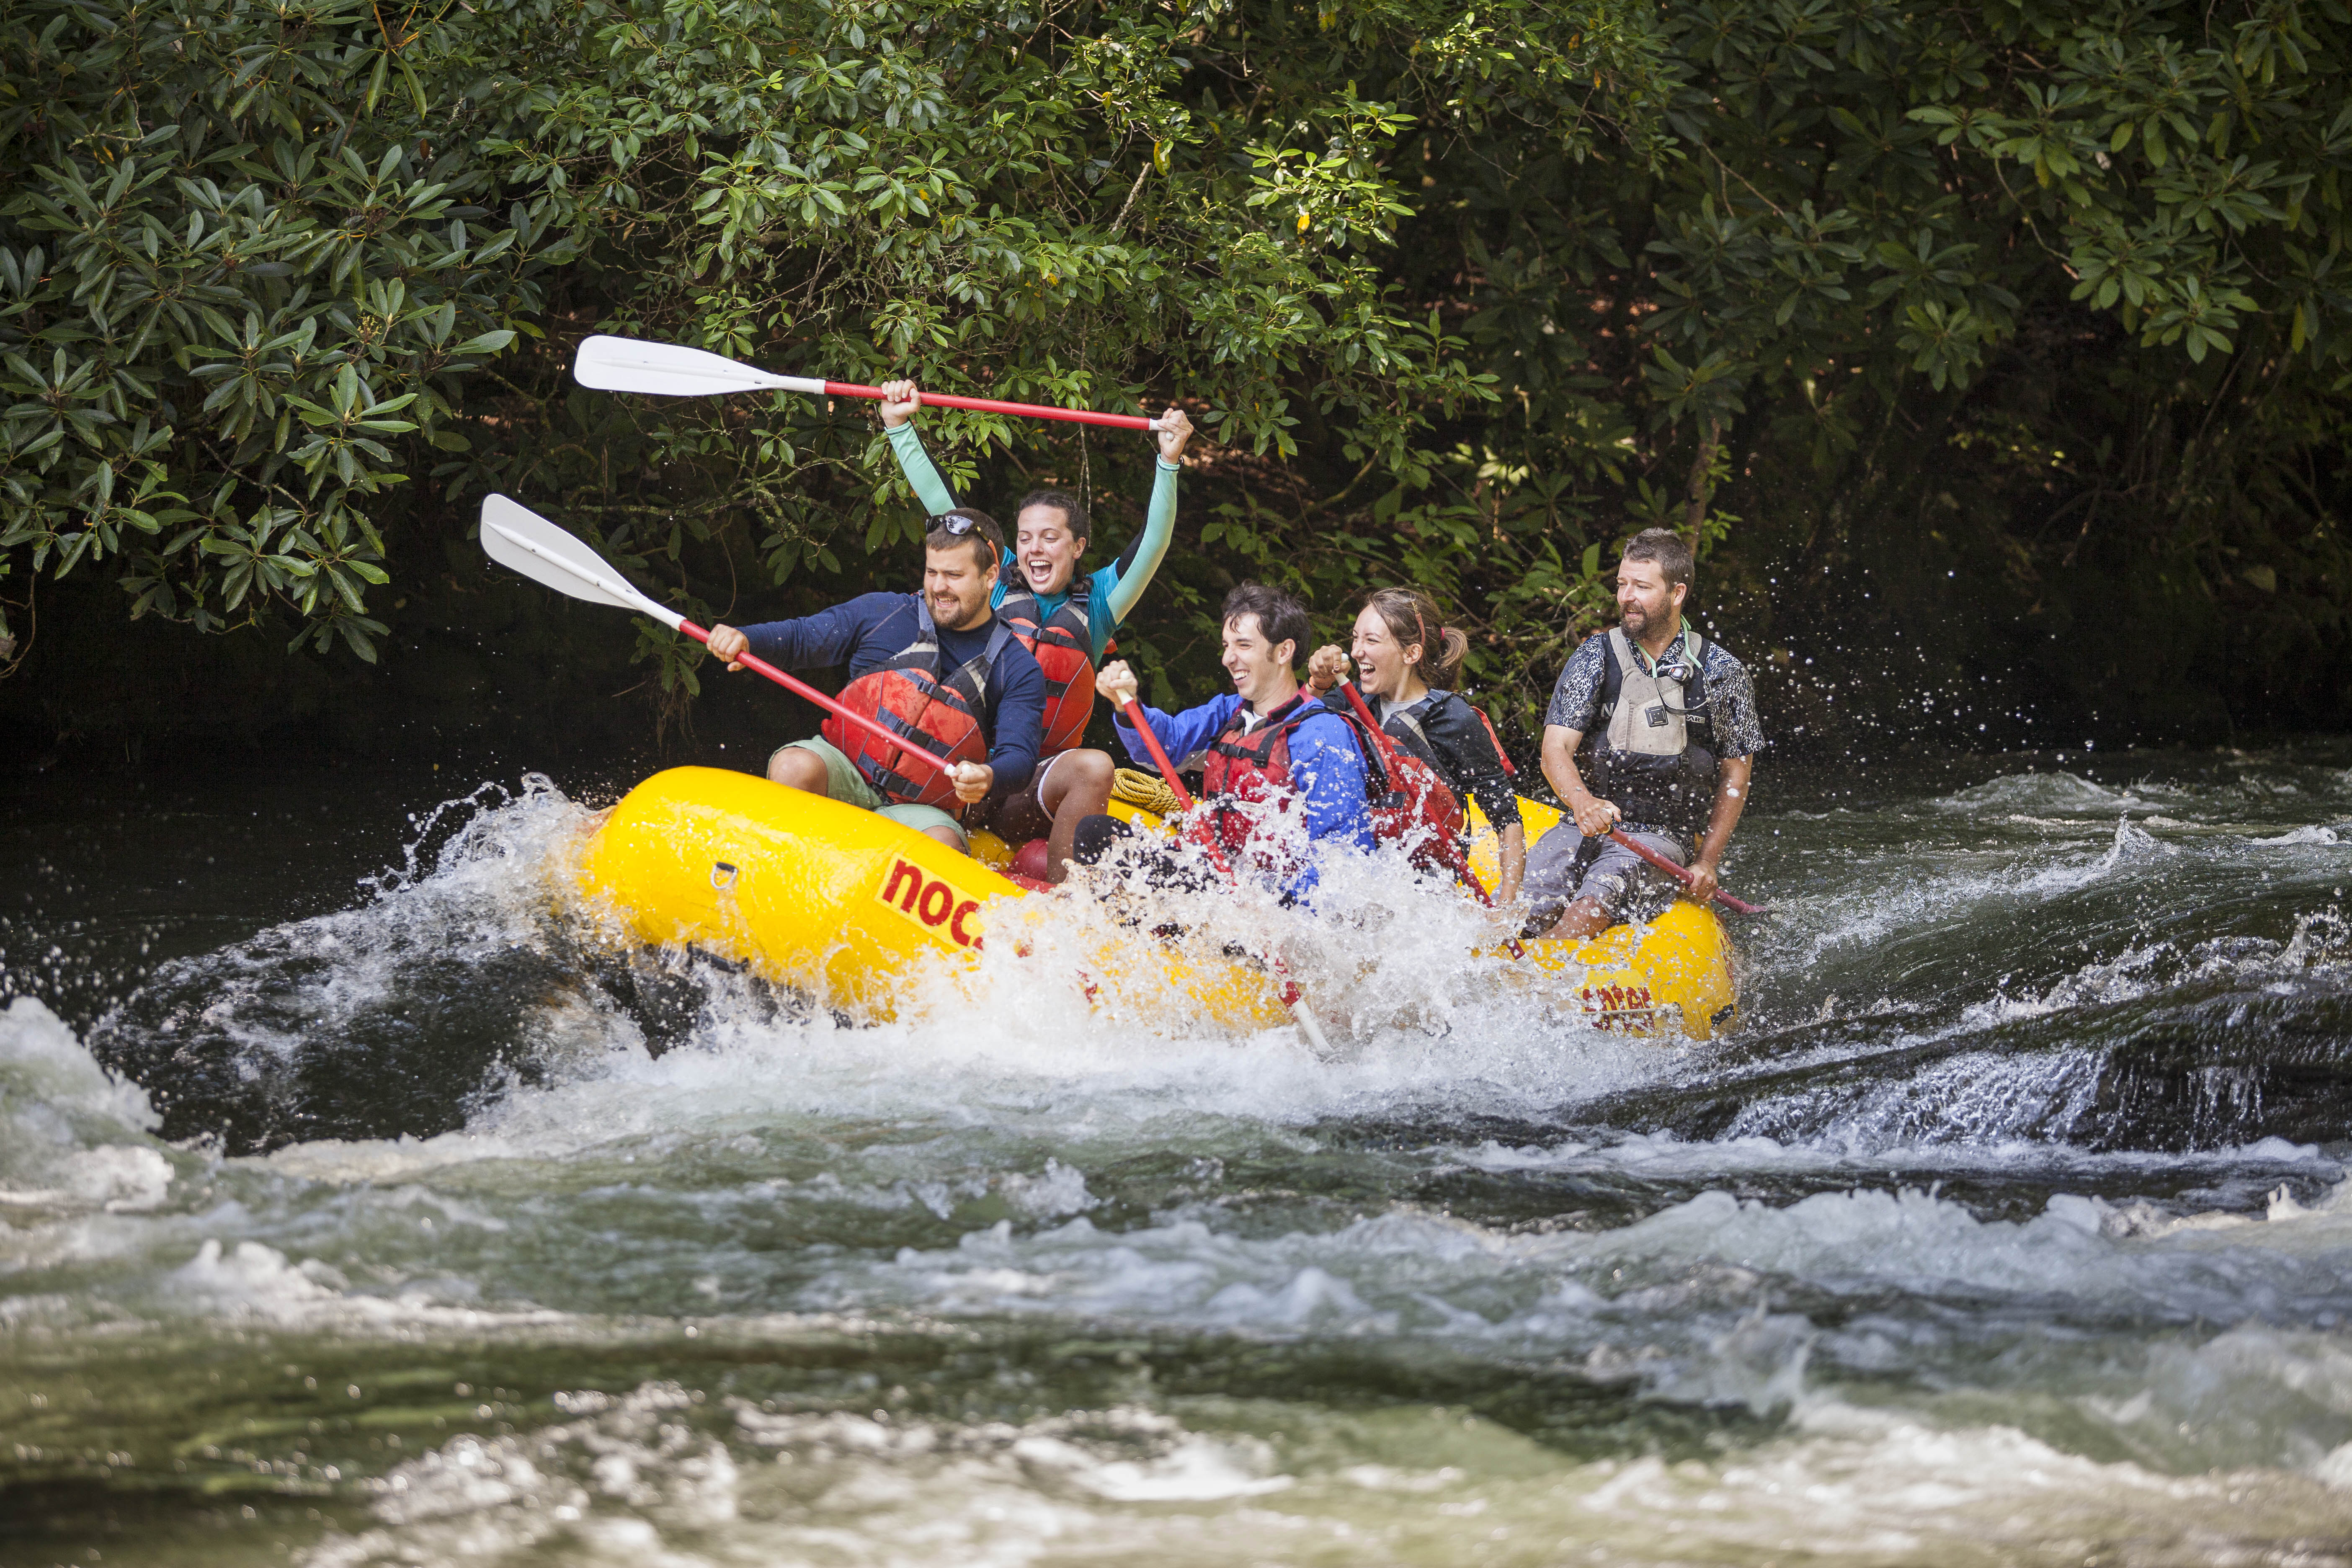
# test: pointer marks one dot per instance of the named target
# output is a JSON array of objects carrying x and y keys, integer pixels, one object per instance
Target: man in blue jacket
[
  {"x": 1270, "y": 754},
  {"x": 937, "y": 666}
]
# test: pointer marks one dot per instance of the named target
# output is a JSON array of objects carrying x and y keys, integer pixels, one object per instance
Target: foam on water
[
  {"x": 1875, "y": 1361},
  {"x": 661, "y": 1474},
  {"x": 73, "y": 1137}
]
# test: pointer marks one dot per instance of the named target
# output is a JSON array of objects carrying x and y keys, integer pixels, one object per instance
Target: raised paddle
[
  {"x": 1682, "y": 874},
  {"x": 1293, "y": 997},
  {"x": 632, "y": 364},
  {"x": 518, "y": 538}
]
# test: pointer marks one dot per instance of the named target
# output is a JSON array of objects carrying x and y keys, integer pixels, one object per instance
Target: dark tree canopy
[{"x": 2011, "y": 337}]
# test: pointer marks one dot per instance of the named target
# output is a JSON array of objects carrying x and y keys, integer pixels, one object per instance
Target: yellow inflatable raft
[{"x": 849, "y": 907}]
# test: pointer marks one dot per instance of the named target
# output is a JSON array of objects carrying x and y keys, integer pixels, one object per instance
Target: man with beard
[
  {"x": 1066, "y": 618},
  {"x": 1651, "y": 731},
  {"x": 937, "y": 666}
]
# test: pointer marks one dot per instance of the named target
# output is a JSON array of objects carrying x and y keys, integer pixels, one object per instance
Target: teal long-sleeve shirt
[{"x": 1117, "y": 586}]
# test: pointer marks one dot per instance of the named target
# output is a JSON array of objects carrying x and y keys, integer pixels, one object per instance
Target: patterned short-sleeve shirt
[{"x": 1576, "y": 697}]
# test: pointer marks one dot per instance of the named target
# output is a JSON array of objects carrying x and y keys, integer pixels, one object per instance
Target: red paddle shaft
[
  {"x": 794, "y": 684},
  {"x": 991, "y": 406},
  {"x": 1170, "y": 776},
  {"x": 1682, "y": 874},
  {"x": 1291, "y": 994}
]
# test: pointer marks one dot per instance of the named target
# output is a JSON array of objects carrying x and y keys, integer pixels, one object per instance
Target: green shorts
[{"x": 843, "y": 782}]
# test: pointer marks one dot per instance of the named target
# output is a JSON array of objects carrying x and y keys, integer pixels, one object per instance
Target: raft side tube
[
  {"x": 850, "y": 906},
  {"x": 810, "y": 892}
]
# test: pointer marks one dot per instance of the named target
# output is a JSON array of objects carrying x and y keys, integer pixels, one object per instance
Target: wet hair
[
  {"x": 1664, "y": 548},
  {"x": 986, "y": 539},
  {"x": 1081, "y": 525},
  {"x": 1411, "y": 616},
  {"x": 1280, "y": 617}
]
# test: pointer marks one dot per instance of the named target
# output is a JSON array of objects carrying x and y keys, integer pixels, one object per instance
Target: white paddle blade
[
  {"x": 1312, "y": 1030},
  {"x": 522, "y": 540},
  {"x": 632, "y": 364}
]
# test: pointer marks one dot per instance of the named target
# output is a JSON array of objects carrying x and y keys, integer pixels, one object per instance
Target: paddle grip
[
  {"x": 1681, "y": 873},
  {"x": 798, "y": 687},
  {"x": 991, "y": 406}
]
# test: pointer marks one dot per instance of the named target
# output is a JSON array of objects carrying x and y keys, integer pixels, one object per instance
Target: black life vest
[
  {"x": 1064, "y": 645},
  {"x": 906, "y": 695},
  {"x": 1408, "y": 725},
  {"x": 1654, "y": 753}
]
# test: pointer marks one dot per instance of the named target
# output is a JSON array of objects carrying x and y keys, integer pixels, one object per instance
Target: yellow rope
[{"x": 1139, "y": 788}]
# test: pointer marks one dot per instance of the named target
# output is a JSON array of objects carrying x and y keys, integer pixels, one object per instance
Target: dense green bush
[
  {"x": 2040, "y": 300},
  {"x": 236, "y": 278}
]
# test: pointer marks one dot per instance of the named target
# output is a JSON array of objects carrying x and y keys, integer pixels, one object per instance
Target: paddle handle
[
  {"x": 991, "y": 406},
  {"x": 795, "y": 685},
  {"x": 1681, "y": 873}
]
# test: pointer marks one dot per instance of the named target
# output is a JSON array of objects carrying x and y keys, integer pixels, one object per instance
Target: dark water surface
[{"x": 362, "y": 1202}]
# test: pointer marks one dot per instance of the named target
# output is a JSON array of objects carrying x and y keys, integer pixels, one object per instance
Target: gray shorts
[{"x": 1613, "y": 877}]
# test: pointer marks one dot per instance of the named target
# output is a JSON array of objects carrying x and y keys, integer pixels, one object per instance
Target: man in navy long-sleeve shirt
[
  {"x": 937, "y": 666},
  {"x": 1265, "y": 632}
]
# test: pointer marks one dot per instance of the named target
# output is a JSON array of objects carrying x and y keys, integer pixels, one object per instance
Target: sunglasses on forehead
[{"x": 956, "y": 524}]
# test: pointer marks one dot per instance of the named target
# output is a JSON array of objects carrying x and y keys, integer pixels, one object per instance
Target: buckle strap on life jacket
[
  {"x": 1616, "y": 648},
  {"x": 1063, "y": 645},
  {"x": 910, "y": 695}
]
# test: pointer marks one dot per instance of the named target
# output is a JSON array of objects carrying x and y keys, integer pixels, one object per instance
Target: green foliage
[
  {"x": 2047, "y": 291},
  {"x": 234, "y": 274},
  {"x": 1873, "y": 235}
]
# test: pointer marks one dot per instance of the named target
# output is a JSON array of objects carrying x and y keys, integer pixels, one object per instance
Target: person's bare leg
[
  {"x": 1582, "y": 922},
  {"x": 1016, "y": 818},
  {"x": 948, "y": 837},
  {"x": 798, "y": 768},
  {"x": 1078, "y": 787}
]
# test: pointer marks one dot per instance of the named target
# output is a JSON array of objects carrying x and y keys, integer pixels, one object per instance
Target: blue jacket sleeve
[
  {"x": 823, "y": 639},
  {"x": 1328, "y": 769},
  {"x": 1181, "y": 733},
  {"x": 1019, "y": 726}
]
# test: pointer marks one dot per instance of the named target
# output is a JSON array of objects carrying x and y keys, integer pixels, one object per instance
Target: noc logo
[{"x": 931, "y": 902}]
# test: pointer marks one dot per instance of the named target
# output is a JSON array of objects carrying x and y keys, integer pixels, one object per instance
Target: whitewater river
[{"x": 423, "y": 1224}]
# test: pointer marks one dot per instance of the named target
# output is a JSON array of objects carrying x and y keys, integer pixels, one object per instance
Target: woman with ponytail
[{"x": 1409, "y": 664}]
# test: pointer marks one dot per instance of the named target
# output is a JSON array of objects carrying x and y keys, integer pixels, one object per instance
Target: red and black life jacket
[
  {"x": 1065, "y": 646},
  {"x": 1245, "y": 779},
  {"x": 1406, "y": 798},
  {"x": 906, "y": 695},
  {"x": 1415, "y": 805}
]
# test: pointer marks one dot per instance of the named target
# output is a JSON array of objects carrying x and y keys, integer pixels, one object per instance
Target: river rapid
[{"x": 362, "y": 1202}]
